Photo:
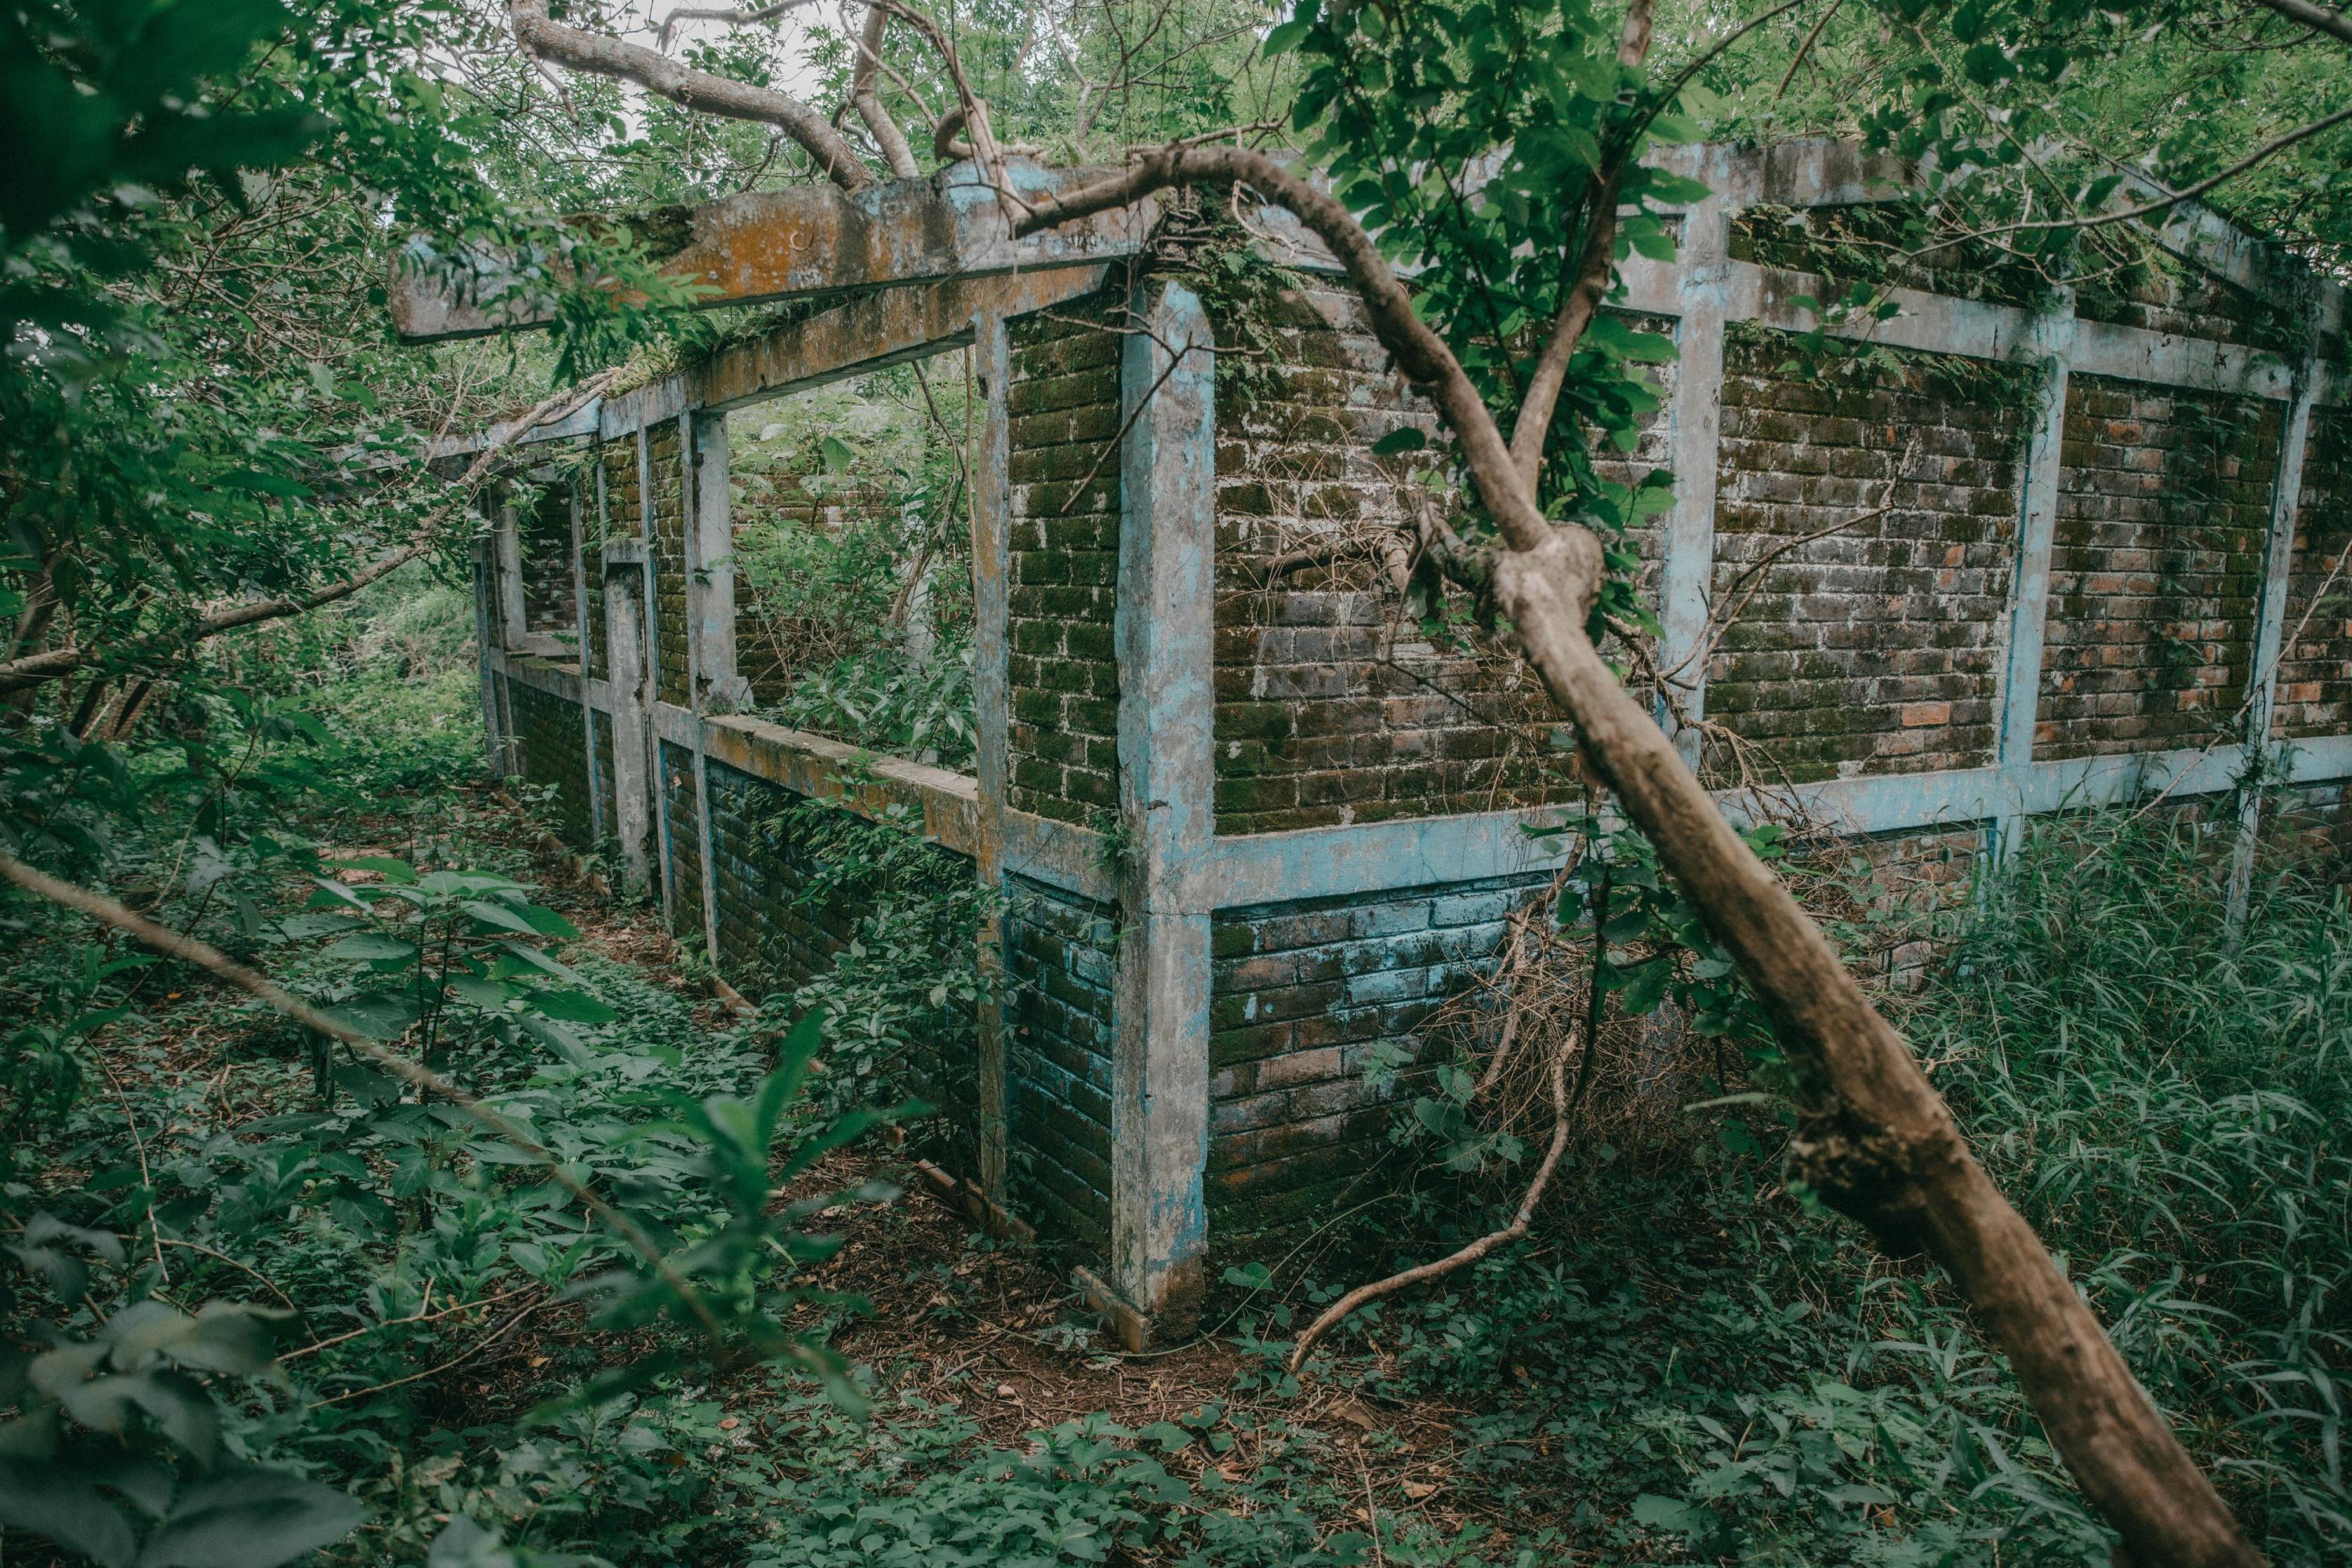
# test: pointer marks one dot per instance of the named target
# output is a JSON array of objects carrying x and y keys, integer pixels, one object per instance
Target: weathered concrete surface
[{"x": 808, "y": 241}]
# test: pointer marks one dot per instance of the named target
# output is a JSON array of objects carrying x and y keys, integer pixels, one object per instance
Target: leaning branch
[
  {"x": 55, "y": 664},
  {"x": 700, "y": 91},
  {"x": 2324, "y": 19}
]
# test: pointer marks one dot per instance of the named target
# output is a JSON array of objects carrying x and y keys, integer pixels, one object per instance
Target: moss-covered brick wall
[
  {"x": 1061, "y": 590},
  {"x": 1059, "y": 953},
  {"x": 606, "y": 790},
  {"x": 1304, "y": 997},
  {"x": 666, "y": 510},
  {"x": 776, "y": 934},
  {"x": 545, "y": 533},
  {"x": 1877, "y": 648},
  {"x": 2163, "y": 515},
  {"x": 679, "y": 807},
  {"x": 2315, "y": 673},
  {"x": 622, "y": 513},
  {"x": 552, "y": 746},
  {"x": 1330, "y": 707}
]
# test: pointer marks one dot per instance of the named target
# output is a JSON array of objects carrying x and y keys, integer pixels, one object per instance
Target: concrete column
[
  {"x": 1694, "y": 415},
  {"x": 485, "y": 642},
  {"x": 711, "y": 559},
  {"x": 695, "y": 485},
  {"x": 625, "y": 585},
  {"x": 1165, "y": 617},
  {"x": 2018, "y": 701},
  {"x": 2269, "y": 628},
  {"x": 514, "y": 619},
  {"x": 991, "y": 501},
  {"x": 580, "y": 621},
  {"x": 649, "y": 610}
]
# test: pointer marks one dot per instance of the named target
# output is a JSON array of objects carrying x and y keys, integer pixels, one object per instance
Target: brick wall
[
  {"x": 606, "y": 790},
  {"x": 1303, "y": 996},
  {"x": 1059, "y": 952},
  {"x": 2315, "y": 672},
  {"x": 1064, "y": 404},
  {"x": 1877, "y": 648},
  {"x": 2163, "y": 512},
  {"x": 680, "y": 805},
  {"x": 552, "y": 748},
  {"x": 775, "y": 934},
  {"x": 667, "y": 505},
  {"x": 1331, "y": 707}
]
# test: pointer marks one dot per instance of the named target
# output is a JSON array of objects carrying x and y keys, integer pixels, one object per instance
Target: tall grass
[
  {"x": 1712, "y": 1371},
  {"x": 2168, "y": 1100}
]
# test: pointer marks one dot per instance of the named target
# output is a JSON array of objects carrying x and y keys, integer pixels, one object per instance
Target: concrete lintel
[
  {"x": 802, "y": 241},
  {"x": 1060, "y": 854},
  {"x": 555, "y": 679},
  {"x": 946, "y": 804},
  {"x": 1163, "y": 631},
  {"x": 1379, "y": 856}
]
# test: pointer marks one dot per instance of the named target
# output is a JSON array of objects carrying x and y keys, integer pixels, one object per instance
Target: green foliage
[{"x": 1713, "y": 1368}]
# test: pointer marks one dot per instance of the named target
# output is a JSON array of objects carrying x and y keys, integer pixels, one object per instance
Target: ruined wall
[
  {"x": 666, "y": 514},
  {"x": 2163, "y": 515},
  {"x": 783, "y": 922},
  {"x": 1063, "y": 540},
  {"x": 1331, "y": 704},
  {"x": 1876, "y": 647},
  {"x": 1306, "y": 996},
  {"x": 553, "y": 749},
  {"x": 2315, "y": 673},
  {"x": 1059, "y": 954},
  {"x": 680, "y": 817}
]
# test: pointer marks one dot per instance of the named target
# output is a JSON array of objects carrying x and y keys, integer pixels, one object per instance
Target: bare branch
[
  {"x": 2325, "y": 19},
  {"x": 733, "y": 15},
  {"x": 862, "y": 93},
  {"x": 687, "y": 88}
]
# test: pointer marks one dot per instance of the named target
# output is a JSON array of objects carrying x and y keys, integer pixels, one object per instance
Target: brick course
[
  {"x": 1877, "y": 648},
  {"x": 553, "y": 749},
  {"x": 671, "y": 670},
  {"x": 1304, "y": 995},
  {"x": 1061, "y": 588},
  {"x": 1329, "y": 708},
  {"x": 679, "y": 803},
  {"x": 1059, "y": 953},
  {"x": 2163, "y": 515}
]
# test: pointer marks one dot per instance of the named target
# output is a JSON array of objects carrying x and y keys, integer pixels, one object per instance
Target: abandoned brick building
[{"x": 1248, "y": 829}]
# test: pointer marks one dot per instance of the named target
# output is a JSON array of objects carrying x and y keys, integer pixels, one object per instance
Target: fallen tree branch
[
  {"x": 1486, "y": 1246},
  {"x": 700, "y": 91},
  {"x": 55, "y": 664}
]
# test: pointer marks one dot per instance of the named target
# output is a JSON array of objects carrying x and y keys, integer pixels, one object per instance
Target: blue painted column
[
  {"x": 992, "y": 502},
  {"x": 2018, "y": 702},
  {"x": 1686, "y": 563},
  {"x": 2270, "y": 629},
  {"x": 1165, "y": 620}
]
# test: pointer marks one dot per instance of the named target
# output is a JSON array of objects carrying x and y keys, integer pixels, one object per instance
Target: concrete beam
[
  {"x": 992, "y": 492},
  {"x": 806, "y": 241}
]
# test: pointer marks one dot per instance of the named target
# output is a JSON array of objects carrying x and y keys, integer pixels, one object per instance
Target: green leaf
[
  {"x": 59, "y": 1505},
  {"x": 498, "y": 917},
  {"x": 378, "y": 1017},
  {"x": 1284, "y": 38},
  {"x": 250, "y": 1518},
  {"x": 1403, "y": 438},
  {"x": 570, "y": 1006},
  {"x": 372, "y": 947}
]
